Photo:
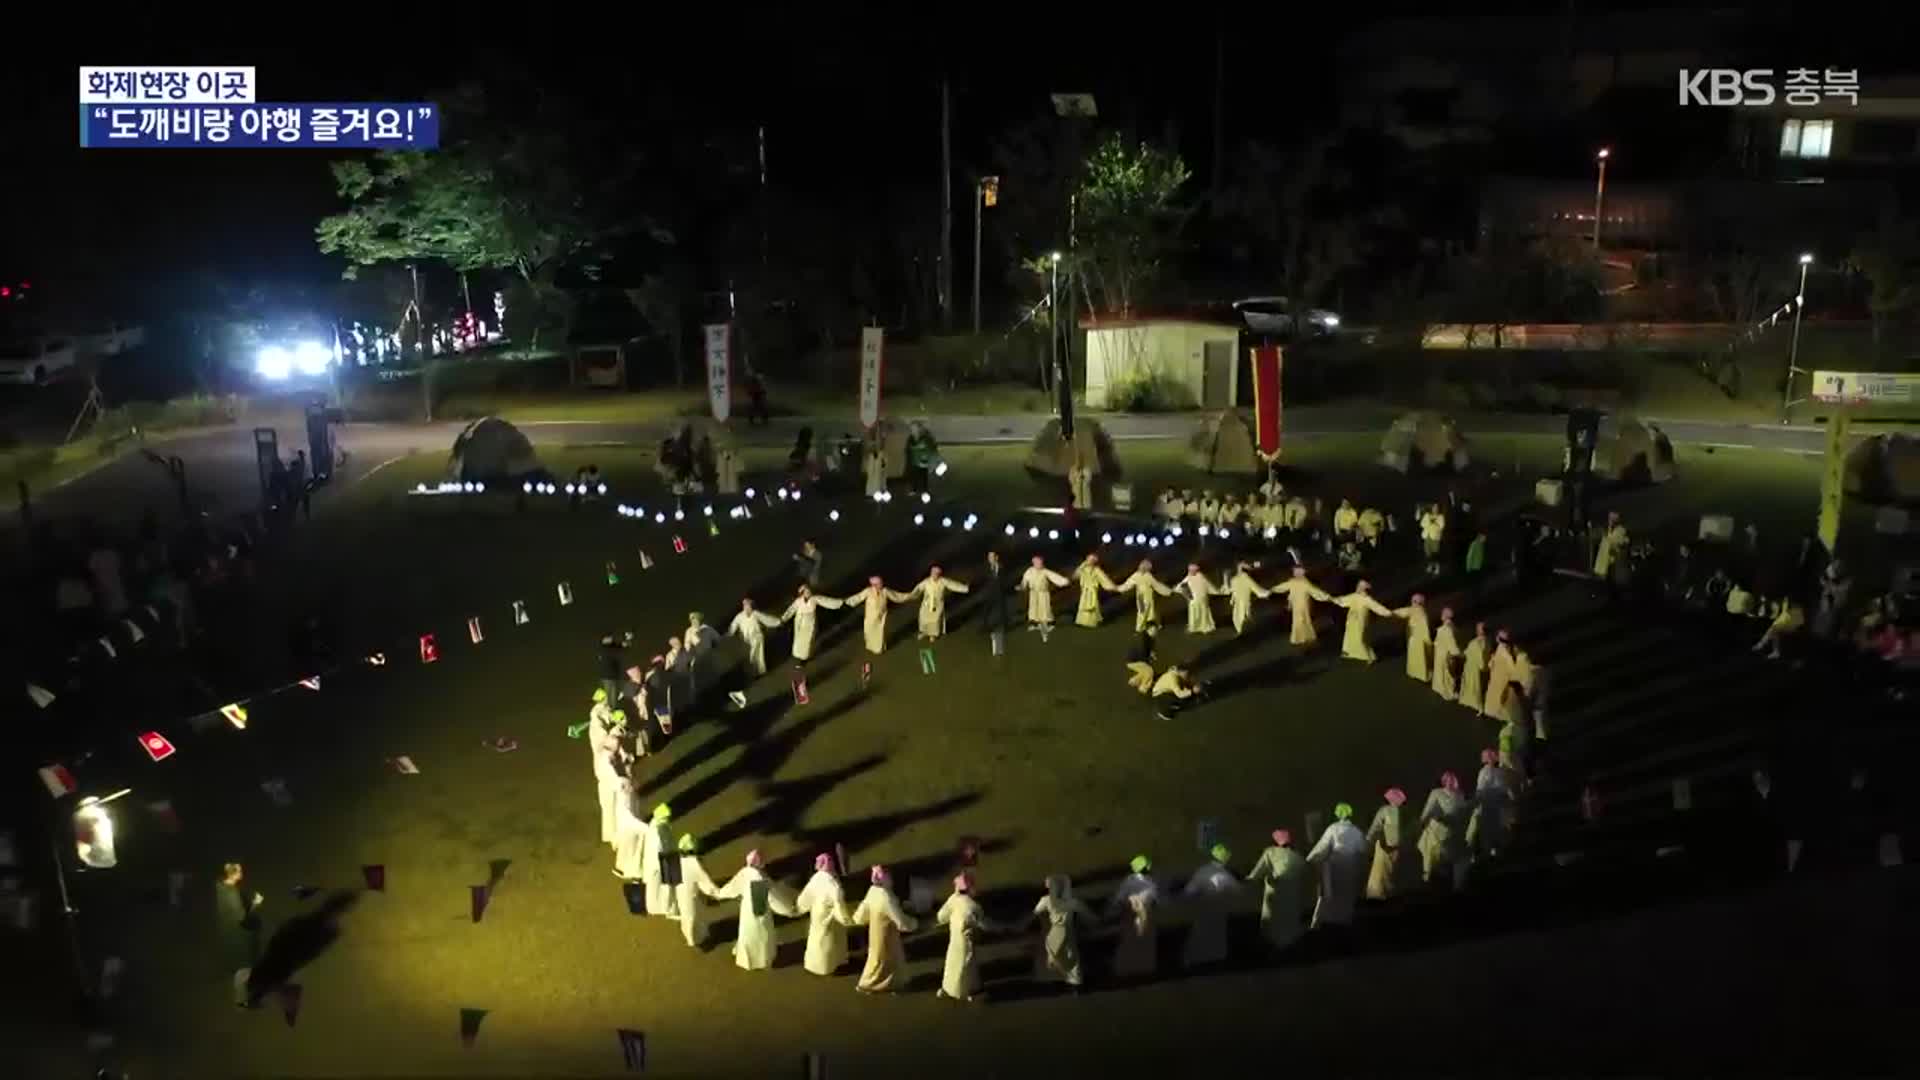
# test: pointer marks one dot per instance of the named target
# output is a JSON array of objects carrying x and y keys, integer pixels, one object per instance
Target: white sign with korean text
[
  {"x": 719, "y": 375},
  {"x": 1867, "y": 387},
  {"x": 872, "y": 352}
]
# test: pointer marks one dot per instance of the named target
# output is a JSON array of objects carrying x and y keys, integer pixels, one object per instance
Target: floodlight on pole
[
  {"x": 1599, "y": 192},
  {"x": 1793, "y": 350}
]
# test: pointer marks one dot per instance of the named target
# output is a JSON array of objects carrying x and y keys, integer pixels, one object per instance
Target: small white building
[{"x": 1199, "y": 355}]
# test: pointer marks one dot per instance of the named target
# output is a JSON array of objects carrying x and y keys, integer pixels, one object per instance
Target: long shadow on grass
[
  {"x": 762, "y": 758},
  {"x": 787, "y": 801},
  {"x": 300, "y": 941},
  {"x": 743, "y": 728}
]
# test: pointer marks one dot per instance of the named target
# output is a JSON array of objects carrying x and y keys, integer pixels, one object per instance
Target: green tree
[
  {"x": 1889, "y": 258},
  {"x": 1127, "y": 218}
]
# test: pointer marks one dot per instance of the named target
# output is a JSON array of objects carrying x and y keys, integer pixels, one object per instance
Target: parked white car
[
  {"x": 36, "y": 360},
  {"x": 1274, "y": 315}
]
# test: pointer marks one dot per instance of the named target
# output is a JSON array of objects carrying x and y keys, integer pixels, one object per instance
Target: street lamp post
[
  {"x": 1599, "y": 193},
  {"x": 979, "y": 208},
  {"x": 1793, "y": 350}
]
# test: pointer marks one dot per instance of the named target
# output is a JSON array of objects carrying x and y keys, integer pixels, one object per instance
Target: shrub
[{"x": 1149, "y": 392}]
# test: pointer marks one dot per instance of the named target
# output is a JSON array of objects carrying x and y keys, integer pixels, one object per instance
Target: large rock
[
  {"x": 1224, "y": 446},
  {"x": 1884, "y": 468},
  {"x": 1636, "y": 453},
  {"x": 1092, "y": 448},
  {"x": 491, "y": 449},
  {"x": 1424, "y": 440}
]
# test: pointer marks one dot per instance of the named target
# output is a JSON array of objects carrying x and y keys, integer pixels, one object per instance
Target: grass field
[{"x": 1043, "y": 755}]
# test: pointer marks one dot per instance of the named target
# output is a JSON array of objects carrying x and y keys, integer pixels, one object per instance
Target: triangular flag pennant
[
  {"x": 473, "y": 630},
  {"x": 1589, "y": 803},
  {"x": 1793, "y": 855},
  {"x": 633, "y": 1049},
  {"x": 713, "y": 527},
  {"x": 58, "y": 780},
  {"x": 429, "y": 649},
  {"x": 840, "y": 859},
  {"x": 927, "y": 666},
  {"x": 969, "y": 851},
  {"x": 646, "y": 561},
  {"x": 163, "y": 812},
  {"x": 404, "y": 765},
  {"x": 866, "y": 674},
  {"x": 41, "y": 696},
  {"x": 679, "y": 546},
  {"x": 236, "y": 715},
  {"x": 470, "y": 1025},
  {"x": 1763, "y": 783},
  {"x": 134, "y": 633},
  {"x": 635, "y": 894},
  {"x": 577, "y": 731},
  {"x": 290, "y": 1002},
  {"x": 520, "y": 613},
  {"x": 311, "y": 682},
  {"x": 478, "y": 895},
  {"x": 800, "y": 690},
  {"x": 1890, "y": 856},
  {"x": 566, "y": 594},
  {"x": 613, "y": 573},
  {"x": 375, "y": 875},
  {"x": 276, "y": 790},
  {"x": 1682, "y": 793},
  {"x": 108, "y": 647}
]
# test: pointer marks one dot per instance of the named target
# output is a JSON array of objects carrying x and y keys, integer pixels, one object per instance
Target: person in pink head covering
[
  {"x": 1443, "y": 832},
  {"x": 1282, "y": 875},
  {"x": 1039, "y": 583},
  {"x": 1446, "y": 651},
  {"x": 761, "y": 898},
  {"x": 1301, "y": 593},
  {"x": 965, "y": 920},
  {"x": 1200, "y": 593},
  {"x": 873, "y": 600},
  {"x": 1385, "y": 833},
  {"x": 1361, "y": 606},
  {"x": 1419, "y": 636},
  {"x": 825, "y": 906},
  {"x": 880, "y": 912}
]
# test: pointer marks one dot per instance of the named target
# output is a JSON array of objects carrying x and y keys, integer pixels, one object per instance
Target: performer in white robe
[
  {"x": 965, "y": 920},
  {"x": 1211, "y": 892},
  {"x": 1244, "y": 591},
  {"x": 1446, "y": 651},
  {"x": 1493, "y": 795},
  {"x": 690, "y": 896},
  {"x": 873, "y": 601},
  {"x": 599, "y": 724},
  {"x": 803, "y": 611},
  {"x": 751, "y": 627},
  {"x": 1145, "y": 589},
  {"x": 629, "y": 831},
  {"x": 1039, "y": 583},
  {"x": 1473, "y": 669},
  {"x": 761, "y": 898},
  {"x": 1433, "y": 530},
  {"x": 1361, "y": 606},
  {"x": 1419, "y": 636},
  {"x": 1138, "y": 951},
  {"x": 1092, "y": 578},
  {"x": 1384, "y": 834},
  {"x": 1499, "y": 674},
  {"x": 825, "y": 906},
  {"x": 1200, "y": 593},
  {"x": 1443, "y": 832},
  {"x": 874, "y": 468},
  {"x": 1063, "y": 914},
  {"x": 1341, "y": 855},
  {"x": 726, "y": 472},
  {"x": 1301, "y": 593},
  {"x": 1613, "y": 544},
  {"x": 1281, "y": 874},
  {"x": 932, "y": 591},
  {"x": 880, "y": 912},
  {"x": 656, "y": 848},
  {"x": 609, "y": 771}
]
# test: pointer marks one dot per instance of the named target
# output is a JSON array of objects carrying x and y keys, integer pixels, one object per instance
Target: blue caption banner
[{"x": 351, "y": 126}]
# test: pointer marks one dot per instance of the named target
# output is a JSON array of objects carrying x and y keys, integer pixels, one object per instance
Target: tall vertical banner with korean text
[
  {"x": 719, "y": 373},
  {"x": 1266, "y": 400},
  {"x": 872, "y": 354},
  {"x": 1833, "y": 478}
]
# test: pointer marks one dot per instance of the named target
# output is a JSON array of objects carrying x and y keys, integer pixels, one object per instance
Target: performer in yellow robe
[
  {"x": 1145, "y": 588},
  {"x": 932, "y": 591},
  {"x": 874, "y": 600},
  {"x": 1361, "y": 607},
  {"x": 1446, "y": 650},
  {"x": 1200, "y": 593},
  {"x": 1300, "y": 596},
  {"x": 1499, "y": 674},
  {"x": 1039, "y": 583},
  {"x": 1419, "y": 636},
  {"x": 1473, "y": 668},
  {"x": 1244, "y": 590},
  {"x": 1092, "y": 578},
  {"x": 1384, "y": 833}
]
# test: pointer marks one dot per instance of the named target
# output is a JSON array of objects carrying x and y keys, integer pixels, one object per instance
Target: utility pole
[
  {"x": 766, "y": 210},
  {"x": 943, "y": 274},
  {"x": 1599, "y": 194},
  {"x": 1219, "y": 108},
  {"x": 979, "y": 209}
]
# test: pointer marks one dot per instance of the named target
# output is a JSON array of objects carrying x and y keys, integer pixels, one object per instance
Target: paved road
[{"x": 220, "y": 464}]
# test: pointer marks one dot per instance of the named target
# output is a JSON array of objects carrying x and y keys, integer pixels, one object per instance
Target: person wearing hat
[
  {"x": 1419, "y": 636},
  {"x": 1341, "y": 855},
  {"x": 659, "y": 862},
  {"x": 1063, "y": 913},
  {"x": 610, "y": 768},
  {"x": 873, "y": 601},
  {"x": 1039, "y": 583},
  {"x": 825, "y": 906},
  {"x": 1499, "y": 674},
  {"x": 880, "y": 912},
  {"x": 761, "y": 898},
  {"x": 1301, "y": 593},
  {"x": 629, "y": 831},
  {"x": 1384, "y": 834},
  {"x": 1145, "y": 588},
  {"x": 599, "y": 726},
  {"x": 803, "y": 612},
  {"x": 751, "y": 627},
  {"x": 691, "y": 893},
  {"x": 1092, "y": 578},
  {"x": 1443, "y": 832},
  {"x": 1140, "y": 661},
  {"x": 1492, "y": 818},
  {"x": 932, "y": 593},
  {"x": 701, "y": 639},
  {"x": 1294, "y": 516},
  {"x": 965, "y": 920},
  {"x": 1473, "y": 669},
  {"x": 1200, "y": 593},
  {"x": 612, "y": 664},
  {"x": 1211, "y": 892},
  {"x": 1244, "y": 591},
  {"x": 1361, "y": 607},
  {"x": 1446, "y": 650},
  {"x": 1138, "y": 952},
  {"x": 1280, "y": 872}
]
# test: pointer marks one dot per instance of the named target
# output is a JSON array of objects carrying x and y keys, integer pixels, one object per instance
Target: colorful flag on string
[
  {"x": 156, "y": 745},
  {"x": 378, "y": 659},
  {"x": 375, "y": 875},
  {"x": 107, "y": 647},
  {"x": 633, "y": 1049},
  {"x": 566, "y": 594},
  {"x": 404, "y": 765},
  {"x": 470, "y": 1025},
  {"x": 473, "y": 630},
  {"x": 311, "y": 682},
  {"x": 927, "y": 665},
  {"x": 41, "y": 696},
  {"x": 58, "y": 780},
  {"x": 866, "y": 674},
  {"x": 713, "y": 527},
  {"x": 429, "y": 649},
  {"x": 646, "y": 561},
  {"x": 134, "y": 633},
  {"x": 520, "y": 613},
  {"x": 800, "y": 691},
  {"x": 478, "y": 895},
  {"x": 613, "y": 573},
  {"x": 236, "y": 715}
]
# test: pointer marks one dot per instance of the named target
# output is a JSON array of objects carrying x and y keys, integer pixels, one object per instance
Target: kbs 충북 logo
[{"x": 1801, "y": 88}]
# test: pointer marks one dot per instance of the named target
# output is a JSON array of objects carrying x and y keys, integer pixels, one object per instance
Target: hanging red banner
[{"x": 1266, "y": 400}]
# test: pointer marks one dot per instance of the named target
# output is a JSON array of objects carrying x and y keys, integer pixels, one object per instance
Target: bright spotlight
[
  {"x": 1272, "y": 532},
  {"x": 679, "y": 514},
  {"x": 421, "y": 488},
  {"x": 1033, "y": 534},
  {"x": 273, "y": 362},
  {"x": 946, "y": 523},
  {"x": 603, "y": 489},
  {"x": 311, "y": 358},
  {"x": 783, "y": 494},
  {"x": 1009, "y": 530},
  {"x": 940, "y": 469},
  {"x": 749, "y": 493},
  {"x": 1106, "y": 538},
  {"x": 1224, "y": 531},
  {"x": 709, "y": 510},
  {"x": 833, "y": 515},
  {"x": 1176, "y": 530},
  {"x": 527, "y": 486},
  {"x": 1154, "y": 543},
  {"x": 879, "y": 497},
  {"x": 925, "y": 498},
  {"x": 1205, "y": 532},
  {"x": 919, "y": 519},
  {"x": 659, "y": 519},
  {"x": 1053, "y": 534}
]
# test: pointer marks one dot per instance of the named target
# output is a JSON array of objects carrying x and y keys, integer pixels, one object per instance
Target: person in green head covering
[
  {"x": 1280, "y": 873},
  {"x": 1211, "y": 892},
  {"x": 610, "y": 767},
  {"x": 1341, "y": 855},
  {"x": 599, "y": 723},
  {"x": 692, "y": 891},
  {"x": 1137, "y": 954},
  {"x": 659, "y": 864}
]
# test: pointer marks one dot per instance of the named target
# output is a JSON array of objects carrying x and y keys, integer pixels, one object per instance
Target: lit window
[{"x": 1806, "y": 138}]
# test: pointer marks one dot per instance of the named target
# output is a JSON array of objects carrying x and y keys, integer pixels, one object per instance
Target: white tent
[
  {"x": 1424, "y": 440},
  {"x": 491, "y": 449}
]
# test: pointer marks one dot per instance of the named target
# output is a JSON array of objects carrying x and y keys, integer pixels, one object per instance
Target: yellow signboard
[{"x": 1833, "y": 482}]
